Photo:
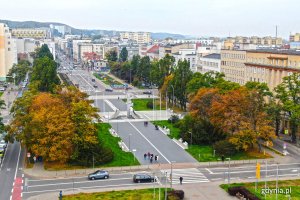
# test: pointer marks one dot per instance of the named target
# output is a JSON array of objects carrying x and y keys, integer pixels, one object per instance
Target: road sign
[
  {"x": 258, "y": 171},
  {"x": 28, "y": 155}
]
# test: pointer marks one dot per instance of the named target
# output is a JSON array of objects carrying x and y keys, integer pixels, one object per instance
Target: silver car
[{"x": 99, "y": 174}]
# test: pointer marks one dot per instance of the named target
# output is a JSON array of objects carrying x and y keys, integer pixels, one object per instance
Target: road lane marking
[
  {"x": 216, "y": 179},
  {"x": 79, "y": 177},
  {"x": 148, "y": 141},
  {"x": 209, "y": 171},
  {"x": 18, "y": 161},
  {"x": 89, "y": 181},
  {"x": 100, "y": 186}
]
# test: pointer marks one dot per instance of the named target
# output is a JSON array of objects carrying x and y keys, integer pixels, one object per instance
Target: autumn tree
[{"x": 241, "y": 114}]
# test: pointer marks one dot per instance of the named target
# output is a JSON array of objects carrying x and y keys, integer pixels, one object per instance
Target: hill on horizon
[{"x": 88, "y": 32}]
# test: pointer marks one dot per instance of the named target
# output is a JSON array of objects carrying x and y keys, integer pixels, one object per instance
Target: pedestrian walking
[
  {"x": 155, "y": 158},
  {"x": 145, "y": 156},
  {"x": 149, "y": 155},
  {"x": 34, "y": 159},
  {"x": 151, "y": 160},
  {"x": 180, "y": 180}
]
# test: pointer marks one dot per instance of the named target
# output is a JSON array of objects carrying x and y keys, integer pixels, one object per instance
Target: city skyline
[{"x": 190, "y": 17}]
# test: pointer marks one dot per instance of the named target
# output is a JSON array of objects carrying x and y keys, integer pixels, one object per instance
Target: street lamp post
[
  {"x": 129, "y": 141},
  {"x": 173, "y": 96},
  {"x": 134, "y": 150},
  {"x": 191, "y": 133},
  {"x": 166, "y": 186},
  {"x": 228, "y": 170}
]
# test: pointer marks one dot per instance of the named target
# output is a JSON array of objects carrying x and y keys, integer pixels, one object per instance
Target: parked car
[
  {"x": 147, "y": 92},
  {"x": 143, "y": 178},
  {"x": 99, "y": 174},
  {"x": 95, "y": 86},
  {"x": 2, "y": 150},
  {"x": 108, "y": 90},
  {"x": 93, "y": 80},
  {"x": 3, "y": 144},
  {"x": 2, "y": 89}
]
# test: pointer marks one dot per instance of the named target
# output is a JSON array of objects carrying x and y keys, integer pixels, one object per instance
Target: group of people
[{"x": 150, "y": 156}]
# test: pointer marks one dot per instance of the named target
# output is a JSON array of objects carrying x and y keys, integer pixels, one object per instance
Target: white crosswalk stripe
[{"x": 190, "y": 175}]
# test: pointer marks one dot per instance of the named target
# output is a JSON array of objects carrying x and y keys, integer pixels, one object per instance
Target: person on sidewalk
[
  {"x": 180, "y": 180},
  {"x": 151, "y": 160},
  {"x": 145, "y": 156},
  {"x": 34, "y": 159},
  {"x": 149, "y": 155}
]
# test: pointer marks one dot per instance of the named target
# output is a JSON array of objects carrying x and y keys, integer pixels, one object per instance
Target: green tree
[
  {"x": 182, "y": 75},
  {"x": 112, "y": 55},
  {"x": 44, "y": 74},
  {"x": 288, "y": 93},
  {"x": 123, "y": 54},
  {"x": 44, "y": 52},
  {"x": 19, "y": 70}
]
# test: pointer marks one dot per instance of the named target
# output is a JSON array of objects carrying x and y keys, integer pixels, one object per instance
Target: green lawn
[
  {"x": 106, "y": 79},
  {"x": 143, "y": 194},
  {"x": 141, "y": 104},
  {"x": 284, "y": 185},
  {"x": 1, "y": 93},
  {"x": 174, "y": 132},
  {"x": 121, "y": 158},
  {"x": 205, "y": 154}
]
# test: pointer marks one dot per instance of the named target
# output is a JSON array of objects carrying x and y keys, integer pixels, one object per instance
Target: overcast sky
[{"x": 190, "y": 17}]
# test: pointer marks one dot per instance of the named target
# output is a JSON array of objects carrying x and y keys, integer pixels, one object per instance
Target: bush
[
  {"x": 175, "y": 194},
  {"x": 225, "y": 148},
  {"x": 243, "y": 191},
  {"x": 173, "y": 119},
  {"x": 149, "y": 104}
]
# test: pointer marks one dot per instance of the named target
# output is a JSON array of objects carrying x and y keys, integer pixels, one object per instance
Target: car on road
[
  {"x": 147, "y": 92},
  {"x": 93, "y": 80},
  {"x": 2, "y": 89},
  {"x": 95, "y": 86},
  {"x": 108, "y": 90},
  {"x": 143, "y": 178},
  {"x": 99, "y": 174}
]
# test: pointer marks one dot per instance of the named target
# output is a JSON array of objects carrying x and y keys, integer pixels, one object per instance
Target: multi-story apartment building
[
  {"x": 31, "y": 33},
  {"x": 189, "y": 55},
  {"x": 8, "y": 51},
  {"x": 295, "y": 37},
  {"x": 233, "y": 65},
  {"x": 270, "y": 66},
  {"x": 210, "y": 62},
  {"x": 76, "y": 54},
  {"x": 268, "y": 41},
  {"x": 139, "y": 37}
]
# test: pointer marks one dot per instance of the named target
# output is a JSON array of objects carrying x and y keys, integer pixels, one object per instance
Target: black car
[
  {"x": 93, "y": 80},
  {"x": 143, "y": 178},
  {"x": 108, "y": 90},
  {"x": 95, "y": 86},
  {"x": 147, "y": 92},
  {"x": 99, "y": 174}
]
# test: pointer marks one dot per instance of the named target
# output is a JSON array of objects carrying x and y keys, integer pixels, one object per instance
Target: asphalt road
[
  {"x": 10, "y": 172},
  {"x": 35, "y": 187}
]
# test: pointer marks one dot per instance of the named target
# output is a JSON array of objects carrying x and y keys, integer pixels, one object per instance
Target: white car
[
  {"x": 2, "y": 89},
  {"x": 3, "y": 144}
]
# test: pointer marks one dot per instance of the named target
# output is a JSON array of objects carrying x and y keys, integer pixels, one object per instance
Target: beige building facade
[
  {"x": 139, "y": 37},
  {"x": 270, "y": 66},
  {"x": 8, "y": 51},
  {"x": 233, "y": 65},
  {"x": 295, "y": 37},
  {"x": 30, "y": 33}
]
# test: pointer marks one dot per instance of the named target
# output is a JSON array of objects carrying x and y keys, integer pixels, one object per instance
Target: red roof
[
  {"x": 91, "y": 56},
  {"x": 153, "y": 49}
]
